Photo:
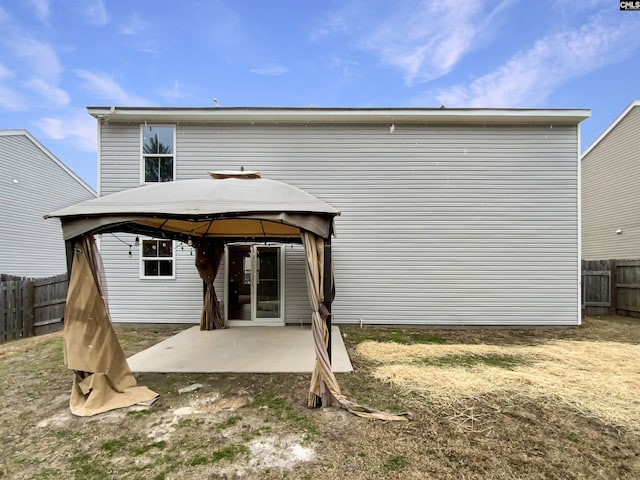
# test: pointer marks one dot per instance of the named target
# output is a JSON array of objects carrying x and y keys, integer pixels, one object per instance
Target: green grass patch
[
  {"x": 27, "y": 460},
  {"x": 88, "y": 468},
  {"x": 422, "y": 337},
  {"x": 52, "y": 346},
  {"x": 229, "y": 453},
  {"x": 67, "y": 434},
  {"x": 46, "y": 474},
  {"x": 140, "y": 413},
  {"x": 470, "y": 360},
  {"x": 572, "y": 437},
  {"x": 395, "y": 463},
  {"x": 141, "y": 450},
  {"x": 199, "y": 460},
  {"x": 401, "y": 336},
  {"x": 229, "y": 422},
  {"x": 281, "y": 410},
  {"x": 112, "y": 446},
  {"x": 190, "y": 422}
]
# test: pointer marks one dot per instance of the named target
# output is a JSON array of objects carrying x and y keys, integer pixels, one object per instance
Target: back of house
[{"x": 449, "y": 216}]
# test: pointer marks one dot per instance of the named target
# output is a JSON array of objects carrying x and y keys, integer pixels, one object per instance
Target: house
[
  {"x": 33, "y": 183},
  {"x": 610, "y": 170},
  {"x": 448, "y": 216}
]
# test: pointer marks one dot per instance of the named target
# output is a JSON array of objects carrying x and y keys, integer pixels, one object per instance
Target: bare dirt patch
[{"x": 257, "y": 426}]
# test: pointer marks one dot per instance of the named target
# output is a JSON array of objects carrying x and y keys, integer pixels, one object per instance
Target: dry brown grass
[
  {"x": 601, "y": 379},
  {"x": 231, "y": 426}
]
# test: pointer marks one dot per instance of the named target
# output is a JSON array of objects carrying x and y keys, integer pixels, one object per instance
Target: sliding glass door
[{"x": 254, "y": 284}]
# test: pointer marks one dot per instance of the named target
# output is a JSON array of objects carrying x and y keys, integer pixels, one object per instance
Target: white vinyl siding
[
  {"x": 119, "y": 158},
  {"x": 464, "y": 225},
  {"x": 611, "y": 193},
  {"x": 297, "y": 309},
  {"x": 149, "y": 300},
  {"x": 33, "y": 184}
]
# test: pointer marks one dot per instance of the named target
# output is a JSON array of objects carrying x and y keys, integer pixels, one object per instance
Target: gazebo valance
[{"x": 228, "y": 205}]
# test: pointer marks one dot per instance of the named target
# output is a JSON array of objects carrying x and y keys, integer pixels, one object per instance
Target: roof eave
[
  {"x": 618, "y": 119},
  {"x": 339, "y": 115}
]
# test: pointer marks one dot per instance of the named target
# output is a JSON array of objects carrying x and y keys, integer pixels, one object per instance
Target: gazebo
[{"x": 227, "y": 207}]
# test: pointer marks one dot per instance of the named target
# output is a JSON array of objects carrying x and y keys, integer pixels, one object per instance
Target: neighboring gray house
[
  {"x": 611, "y": 190},
  {"x": 449, "y": 216},
  {"x": 33, "y": 182}
]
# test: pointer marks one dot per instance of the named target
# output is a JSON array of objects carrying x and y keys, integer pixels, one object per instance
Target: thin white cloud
[
  {"x": 426, "y": 43},
  {"x": 41, "y": 57},
  {"x": 5, "y": 72},
  {"x": 173, "y": 93},
  {"x": 78, "y": 127},
  {"x": 346, "y": 66},
  {"x": 41, "y": 8},
  {"x": 330, "y": 25},
  {"x": 105, "y": 87},
  {"x": 50, "y": 94},
  {"x": 270, "y": 70},
  {"x": 95, "y": 12},
  {"x": 135, "y": 25},
  {"x": 531, "y": 76},
  {"x": 12, "y": 100}
]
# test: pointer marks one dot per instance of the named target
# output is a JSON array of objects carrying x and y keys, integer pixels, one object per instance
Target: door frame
[{"x": 254, "y": 321}]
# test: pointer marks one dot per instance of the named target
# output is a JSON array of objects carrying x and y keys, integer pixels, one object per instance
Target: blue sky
[{"x": 58, "y": 56}]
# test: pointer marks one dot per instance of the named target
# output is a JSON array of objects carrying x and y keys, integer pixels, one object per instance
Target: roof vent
[{"x": 244, "y": 174}]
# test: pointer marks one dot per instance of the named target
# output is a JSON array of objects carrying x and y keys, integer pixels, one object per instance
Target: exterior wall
[
  {"x": 119, "y": 158},
  {"x": 610, "y": 193},
  {"x": 33, "y": 184},
  {"x": 149, "y": 300},
  {"x": 458, "y": 225}
]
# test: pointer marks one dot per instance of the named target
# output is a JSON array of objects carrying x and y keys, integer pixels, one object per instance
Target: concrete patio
[{"x": 239, "y": 350}]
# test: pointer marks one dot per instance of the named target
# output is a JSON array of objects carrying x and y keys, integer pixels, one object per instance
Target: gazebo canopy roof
[{"x": 228, "y": 205}]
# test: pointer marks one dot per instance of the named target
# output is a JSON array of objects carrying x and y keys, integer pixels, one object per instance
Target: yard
[{"x": 487, "y": 404}]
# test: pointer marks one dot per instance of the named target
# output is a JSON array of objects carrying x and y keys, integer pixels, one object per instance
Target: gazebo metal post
[
  {"x": 327, "y": 289},
  {"x": 68, "y": 245}
]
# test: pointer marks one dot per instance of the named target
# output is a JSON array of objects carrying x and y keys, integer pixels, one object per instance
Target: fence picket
[
  {"x": 31, "y": 306},
  {"x": 611, "y": 287}
]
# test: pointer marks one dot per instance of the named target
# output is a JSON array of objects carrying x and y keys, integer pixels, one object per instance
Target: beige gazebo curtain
[
  {"x": 208, "y": 258},
  {"x": 102, "y": 380},
  {"x": 324, "y": 389},
  {"x": 319, "y": 394}
]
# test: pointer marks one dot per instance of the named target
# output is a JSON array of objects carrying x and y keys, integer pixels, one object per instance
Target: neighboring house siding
[
  {"x": 462, "y": 225},
  {"x": 611, "y": 193},
  {"x": 33, "y": 184}
]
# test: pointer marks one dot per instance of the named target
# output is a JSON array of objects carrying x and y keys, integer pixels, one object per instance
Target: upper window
[
  {"x": 157, "y": 258},
  {"x": 158, "y": 154}
]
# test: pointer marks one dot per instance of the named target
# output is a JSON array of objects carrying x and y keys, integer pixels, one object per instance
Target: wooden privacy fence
[
  {"x": 611, "y": 287},
  {"x": 31, "y": 306}
]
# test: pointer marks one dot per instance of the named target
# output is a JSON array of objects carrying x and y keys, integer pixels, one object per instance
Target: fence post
[
  {"x": 4, "y": 307},
  {"x": 28, "y": 307},
  {"x": 613, "y": 289}
]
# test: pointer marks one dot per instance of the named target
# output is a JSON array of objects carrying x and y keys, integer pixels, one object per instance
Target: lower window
[{"x": 157, "y": 257}]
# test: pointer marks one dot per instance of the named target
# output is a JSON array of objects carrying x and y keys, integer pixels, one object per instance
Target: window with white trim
[
  {"x": 158, "y": 153},
  {"x": 157, "y": 257}
]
